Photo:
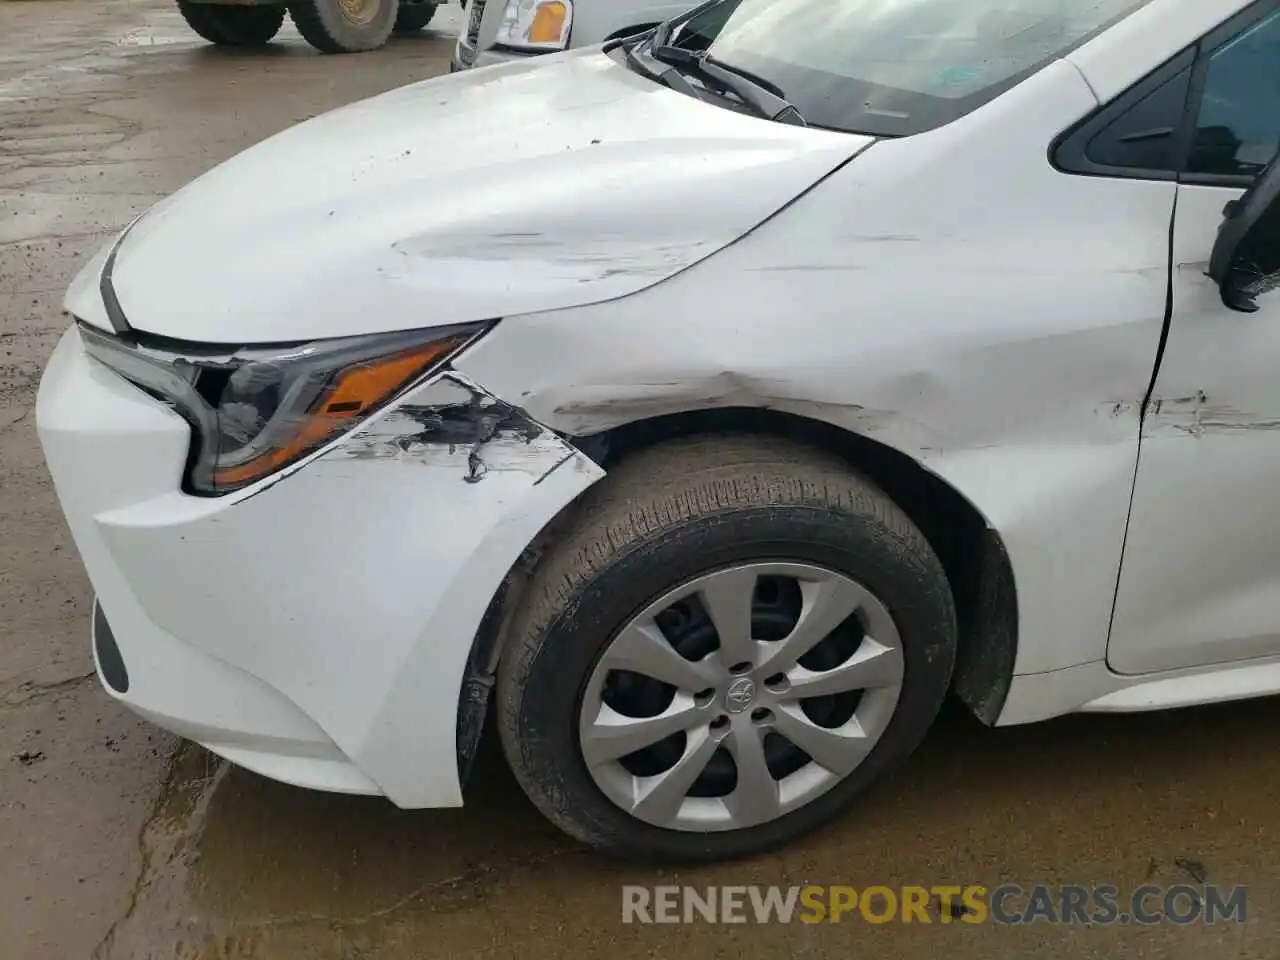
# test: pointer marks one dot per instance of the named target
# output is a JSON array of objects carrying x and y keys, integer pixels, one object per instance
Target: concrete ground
[{"x": 115, "y": 842}]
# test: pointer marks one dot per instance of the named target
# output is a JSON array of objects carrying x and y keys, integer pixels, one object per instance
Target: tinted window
[
  {"x": 1238, "y": 130},
  {"x": 895, "y": 67}
]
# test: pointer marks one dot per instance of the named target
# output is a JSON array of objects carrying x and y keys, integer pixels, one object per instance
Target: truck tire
[
  {"x": 413, "y": 15},
  {"x": 344, "y": 26},
  {"x": 233, "y": 26}
]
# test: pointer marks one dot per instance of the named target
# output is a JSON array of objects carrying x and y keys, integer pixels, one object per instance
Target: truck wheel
[
  {"x": 233, "y": 26},
  {"x": 344, "y": 26},
  {"x": 413, "y": 15}
]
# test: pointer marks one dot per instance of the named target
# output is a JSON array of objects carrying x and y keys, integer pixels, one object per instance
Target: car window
[
  {"x": 894, "y": 67},
  {"x": 1238, "y": 127}
]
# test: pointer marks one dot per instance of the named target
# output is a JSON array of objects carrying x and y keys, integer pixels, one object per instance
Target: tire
[
  {"x": 233, "y": 26},
  {"x": 331, "y": 27},
  {"x": 413, "y": 15},
  {"x": 668, "y": 515}
]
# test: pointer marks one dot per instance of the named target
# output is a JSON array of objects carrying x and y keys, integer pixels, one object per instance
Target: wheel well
[
  {"x": 629, "y": 31},
  {"x": 972, "y": 554}
]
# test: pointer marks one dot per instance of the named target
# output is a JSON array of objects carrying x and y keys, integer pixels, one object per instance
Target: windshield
[{"x": 893, "y": 67}]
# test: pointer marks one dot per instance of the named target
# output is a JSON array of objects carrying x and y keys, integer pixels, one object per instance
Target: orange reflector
[
  {"x": 358, "y": 390},
  {"x": 548, "y": 23}
]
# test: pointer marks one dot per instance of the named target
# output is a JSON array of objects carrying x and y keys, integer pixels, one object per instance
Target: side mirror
[{"x": 1246, "y": 257}]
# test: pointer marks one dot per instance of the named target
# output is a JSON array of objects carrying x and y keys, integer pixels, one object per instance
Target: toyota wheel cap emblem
[{"x": 739, "y": 695}]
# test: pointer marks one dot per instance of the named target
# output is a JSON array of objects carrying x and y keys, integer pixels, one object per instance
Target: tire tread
[
  {"x": 310, "y": 19},
  {"x": 231, "y": 25}
]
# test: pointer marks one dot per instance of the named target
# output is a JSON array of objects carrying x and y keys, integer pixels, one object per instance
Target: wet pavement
[{"x": 116, "y": 842}]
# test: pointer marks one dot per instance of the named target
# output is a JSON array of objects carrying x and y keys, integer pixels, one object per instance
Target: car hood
[{"x": 554, "y": 183}]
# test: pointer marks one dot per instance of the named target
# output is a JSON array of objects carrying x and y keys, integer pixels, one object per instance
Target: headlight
[
  {"x": 255, "y": 411},
  {"x": 536, "y": 24}
]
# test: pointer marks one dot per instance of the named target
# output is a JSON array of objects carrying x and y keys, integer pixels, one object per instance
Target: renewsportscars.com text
[{"x": 1006, "y": 904}]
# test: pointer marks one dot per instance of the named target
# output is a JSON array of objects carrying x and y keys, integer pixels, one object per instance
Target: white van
[{"x": 496, "y": 31}]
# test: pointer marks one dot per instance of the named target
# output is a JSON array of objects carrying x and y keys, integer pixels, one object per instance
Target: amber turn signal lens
[{"x": 548, "y": 23}]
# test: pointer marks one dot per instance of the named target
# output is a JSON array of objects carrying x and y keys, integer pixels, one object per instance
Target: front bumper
[
  {"x": 467, "y": 56},
  {"x": 314, "y": 628}
]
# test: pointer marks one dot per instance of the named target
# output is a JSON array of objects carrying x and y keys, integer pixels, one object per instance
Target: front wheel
[
  {"x": 233, "y": 25},
  {"x": 413, "y": 15},
  {"x": 738, "y": 637},
  {"x": 344, "y": 26}
]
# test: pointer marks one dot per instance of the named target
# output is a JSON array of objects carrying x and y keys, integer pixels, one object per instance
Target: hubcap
[
  {"x": 360, "y": 11},
  {"x": 741, "y": 696}
]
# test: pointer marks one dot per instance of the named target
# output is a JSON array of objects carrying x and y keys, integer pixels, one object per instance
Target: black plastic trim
[
  {"x": 107, "y": 289},
  {"x": 985, "y": 660},
  {"x": 479, "y": 679},
  {"x": 110, "y": 662},
  {"x": 1069, "y": 151}
]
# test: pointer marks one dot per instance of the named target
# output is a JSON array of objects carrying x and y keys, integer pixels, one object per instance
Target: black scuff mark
[
  {"x": 565, "y": 459},
  {"x": 887, "y": 238},
  {"x": 1203, "y": 425},
  {"x": 1119, "y": 408},
  {"x": 474, "y": 424},
  {"x": 1197, "y": 414},
  {"x": 808, "y": 268},
  {"x": 471, "y": 425}
]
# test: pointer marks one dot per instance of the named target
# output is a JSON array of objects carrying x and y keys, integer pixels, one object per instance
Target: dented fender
[{"x": 1003, "y": 340}]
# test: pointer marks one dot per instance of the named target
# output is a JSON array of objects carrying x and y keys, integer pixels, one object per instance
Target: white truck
[{"x": 331, "y": 26}]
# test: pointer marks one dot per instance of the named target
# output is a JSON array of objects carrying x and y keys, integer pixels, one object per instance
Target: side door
[{"x": 1200, "y": 578}]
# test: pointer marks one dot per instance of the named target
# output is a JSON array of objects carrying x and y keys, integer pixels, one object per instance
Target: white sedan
[{"x": 703, "y": 409}]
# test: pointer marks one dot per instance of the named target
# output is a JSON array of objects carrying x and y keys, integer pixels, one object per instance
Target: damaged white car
[{"x": 750, "y": 386}]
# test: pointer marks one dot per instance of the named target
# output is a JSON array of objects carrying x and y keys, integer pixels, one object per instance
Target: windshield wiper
[
  {"x": 667, "y": 75},
  {"x": 755, "y": 91},
  {"x": 662, "y": 34},
  {"x": 630, "y": 40}
]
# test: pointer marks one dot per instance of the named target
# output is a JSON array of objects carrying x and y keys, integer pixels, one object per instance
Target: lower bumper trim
[{"x": 110, "y": 662}]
